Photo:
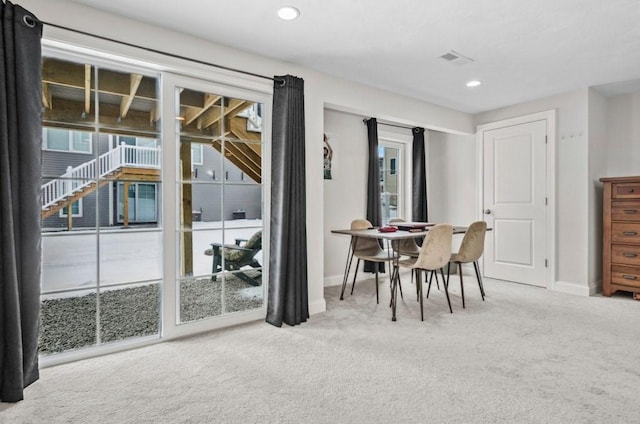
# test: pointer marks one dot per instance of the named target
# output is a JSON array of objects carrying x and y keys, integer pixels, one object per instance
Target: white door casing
[{"x": 517, "y": 199}]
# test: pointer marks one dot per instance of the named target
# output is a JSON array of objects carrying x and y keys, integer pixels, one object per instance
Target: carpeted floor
[{"x": 525, "y": 355}]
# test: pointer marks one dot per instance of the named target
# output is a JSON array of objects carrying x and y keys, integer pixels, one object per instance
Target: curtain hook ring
[{"x": 29, "y": 21}]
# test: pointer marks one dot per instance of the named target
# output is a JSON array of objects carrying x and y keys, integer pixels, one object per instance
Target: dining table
[{"x": 414, "y": 230}]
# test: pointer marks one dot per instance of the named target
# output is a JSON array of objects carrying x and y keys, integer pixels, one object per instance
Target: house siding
[{"x": 55, "y": 163}]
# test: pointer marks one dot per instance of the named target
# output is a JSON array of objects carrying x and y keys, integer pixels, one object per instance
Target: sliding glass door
[
  {"x": 218, "y": 165},
  {"x": 153, "y": 205}
]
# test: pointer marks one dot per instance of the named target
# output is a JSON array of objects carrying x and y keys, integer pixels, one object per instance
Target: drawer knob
[
  {"x": 629, "y": 255},
  {"x": 630, "y": 211},
  {"x": 630, "y": 190},
  {"x": 629, "y": 277},
  {"x": 630, "y": 233}
]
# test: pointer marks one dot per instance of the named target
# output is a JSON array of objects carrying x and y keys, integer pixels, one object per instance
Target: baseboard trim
[
  {"x": 317, "y": 307},
  {"x": 572, "y": 288}
]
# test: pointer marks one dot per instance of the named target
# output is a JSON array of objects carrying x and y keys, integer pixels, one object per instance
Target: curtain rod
[
  {"x": 176, "y": 56},
  {"x": 391, "y": 125}
]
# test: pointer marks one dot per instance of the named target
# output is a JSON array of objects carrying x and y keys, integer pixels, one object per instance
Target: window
[
  {"x": 391, "y": 183},
  {"x": 76, "y": 210},
  {"x": 196, "y": 154},
  {"x": 66, "y": 140},
  {"x": 141, "y": 202}
]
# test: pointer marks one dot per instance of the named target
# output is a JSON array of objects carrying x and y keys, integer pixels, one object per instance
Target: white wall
[
  {"x": 452, "y": 181},
  {"x": 572, "y": 188},
  {"x": 320, "y": 90},
  {"x": 597, "y": 169},
  {"x": 623, "y": 135},
  {"x": 345, "y": 195}
]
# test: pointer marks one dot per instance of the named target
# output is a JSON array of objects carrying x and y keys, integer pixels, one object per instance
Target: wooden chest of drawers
[{"x": 621, "y": 235}]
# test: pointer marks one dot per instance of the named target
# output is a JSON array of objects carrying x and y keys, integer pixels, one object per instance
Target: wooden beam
[
  {"x": 126, "y": 101},
  {"x": 192, "y": 113},
  {"x": 87, "y": 89},
  {"x": 68, "y": 74},
  {"x": 154, "y": 114},
  {"x": 46, "y": 96},
  {"x": 69, "y": 113}
]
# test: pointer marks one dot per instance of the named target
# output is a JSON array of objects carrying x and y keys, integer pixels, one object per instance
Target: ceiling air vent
[{"x": 456, "y": 58}]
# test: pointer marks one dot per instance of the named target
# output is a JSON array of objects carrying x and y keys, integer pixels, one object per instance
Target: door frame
[{"x": 550, "y": 215}]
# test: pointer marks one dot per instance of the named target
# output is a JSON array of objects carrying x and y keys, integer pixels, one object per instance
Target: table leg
[
  {"x": 395, "y": 280},
  {"x": 347, "y": 267}
]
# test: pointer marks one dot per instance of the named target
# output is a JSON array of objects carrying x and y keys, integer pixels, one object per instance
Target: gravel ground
[{"x": 70, "y": 323}]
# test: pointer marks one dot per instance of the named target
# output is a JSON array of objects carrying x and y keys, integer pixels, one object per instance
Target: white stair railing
[
  {"x": 254, "y": 120},
  {"x": 75, "y": 179}
]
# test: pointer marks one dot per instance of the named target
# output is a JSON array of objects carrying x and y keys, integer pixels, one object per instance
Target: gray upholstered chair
[
  {"x": 368, "y": 249},
  {"x": 471, "y": 249},
  {"x": 435, "y": 253}
]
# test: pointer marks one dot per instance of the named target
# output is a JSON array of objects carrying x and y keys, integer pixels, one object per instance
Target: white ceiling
[{"x": 521, "y": 49}]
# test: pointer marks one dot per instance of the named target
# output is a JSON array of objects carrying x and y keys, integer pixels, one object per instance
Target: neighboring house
[{"x": 65, "y": 151}]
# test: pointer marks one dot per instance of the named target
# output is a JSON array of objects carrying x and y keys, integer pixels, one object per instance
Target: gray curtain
[
  {"x": 20, "y": 173},
  {"x": 374, "y": 209},
  {"x": 419, "y": 186},
  {"x": 288, "y": 299}
]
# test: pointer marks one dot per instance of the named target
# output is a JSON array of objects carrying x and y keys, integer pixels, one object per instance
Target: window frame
[
  {"x": 70, "y": 141},
  {"x": 403, "y": 143},
  {"x": 62, "y": 214}
]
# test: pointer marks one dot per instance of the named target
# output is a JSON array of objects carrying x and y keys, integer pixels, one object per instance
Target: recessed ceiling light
[
  {"x": 288, "y": 13},
  {"x": 473, "y": 83}
]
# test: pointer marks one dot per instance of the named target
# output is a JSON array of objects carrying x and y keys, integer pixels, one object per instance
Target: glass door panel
[
  {"x": 100, "y": 283},
  {"x": 220, "y": 194},
  {"x": 389, "y": 160}
]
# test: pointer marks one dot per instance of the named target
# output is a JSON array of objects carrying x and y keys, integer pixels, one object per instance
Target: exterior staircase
[{"x": 123, "y": 162}]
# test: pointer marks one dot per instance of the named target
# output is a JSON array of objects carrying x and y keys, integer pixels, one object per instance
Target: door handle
[{"x": 487, "y": 211}]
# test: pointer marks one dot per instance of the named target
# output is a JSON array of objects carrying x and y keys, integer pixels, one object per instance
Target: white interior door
[{"x": 514, "y": 202}]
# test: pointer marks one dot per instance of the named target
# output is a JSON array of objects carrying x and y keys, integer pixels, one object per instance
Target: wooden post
[
  {"x": 125, "y": 204},
  {"x": 187, "y": 209},
  {"x": 70, "y": 216}
]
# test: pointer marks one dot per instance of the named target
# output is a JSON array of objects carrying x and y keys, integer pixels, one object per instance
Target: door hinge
[
  {"x": 546, "y": 263},
  {"x": 546, "y": 139},
  {"x": 546, "y": 201}
]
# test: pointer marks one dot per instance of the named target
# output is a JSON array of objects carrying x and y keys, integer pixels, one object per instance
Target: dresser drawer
[
  {"x": 625, "y": 276},
  {"x": 625, "y": 254},
  {"x": 625, "y": 191},
  {"x": 625, "y": 211},
  {"x": 623, "y": 232}
]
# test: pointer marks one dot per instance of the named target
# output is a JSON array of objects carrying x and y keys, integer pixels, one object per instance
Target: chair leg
[
  {"x": 461, "y": 283},
  {"x": 377, "y": 296},
  {"x": 354, "y": 276},
  {"x": 446, "y": 287},
  {"x": 477, "y": 269},
  {"x": 421, "y": 301},
  {"x": 414, "y": 271},
  {"x": 431, "y": 274}
]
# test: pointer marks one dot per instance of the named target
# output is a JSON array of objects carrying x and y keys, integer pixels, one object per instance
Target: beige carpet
[{"x": 525, "y": 355}]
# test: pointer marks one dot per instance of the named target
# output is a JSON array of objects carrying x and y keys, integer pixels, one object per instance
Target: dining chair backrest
[
  {"x": 436, "y": 248},
  {"x": 364, "y": 246},
  {"x": 407, "y": 246},
  {"x": 472, "y": 245}
]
